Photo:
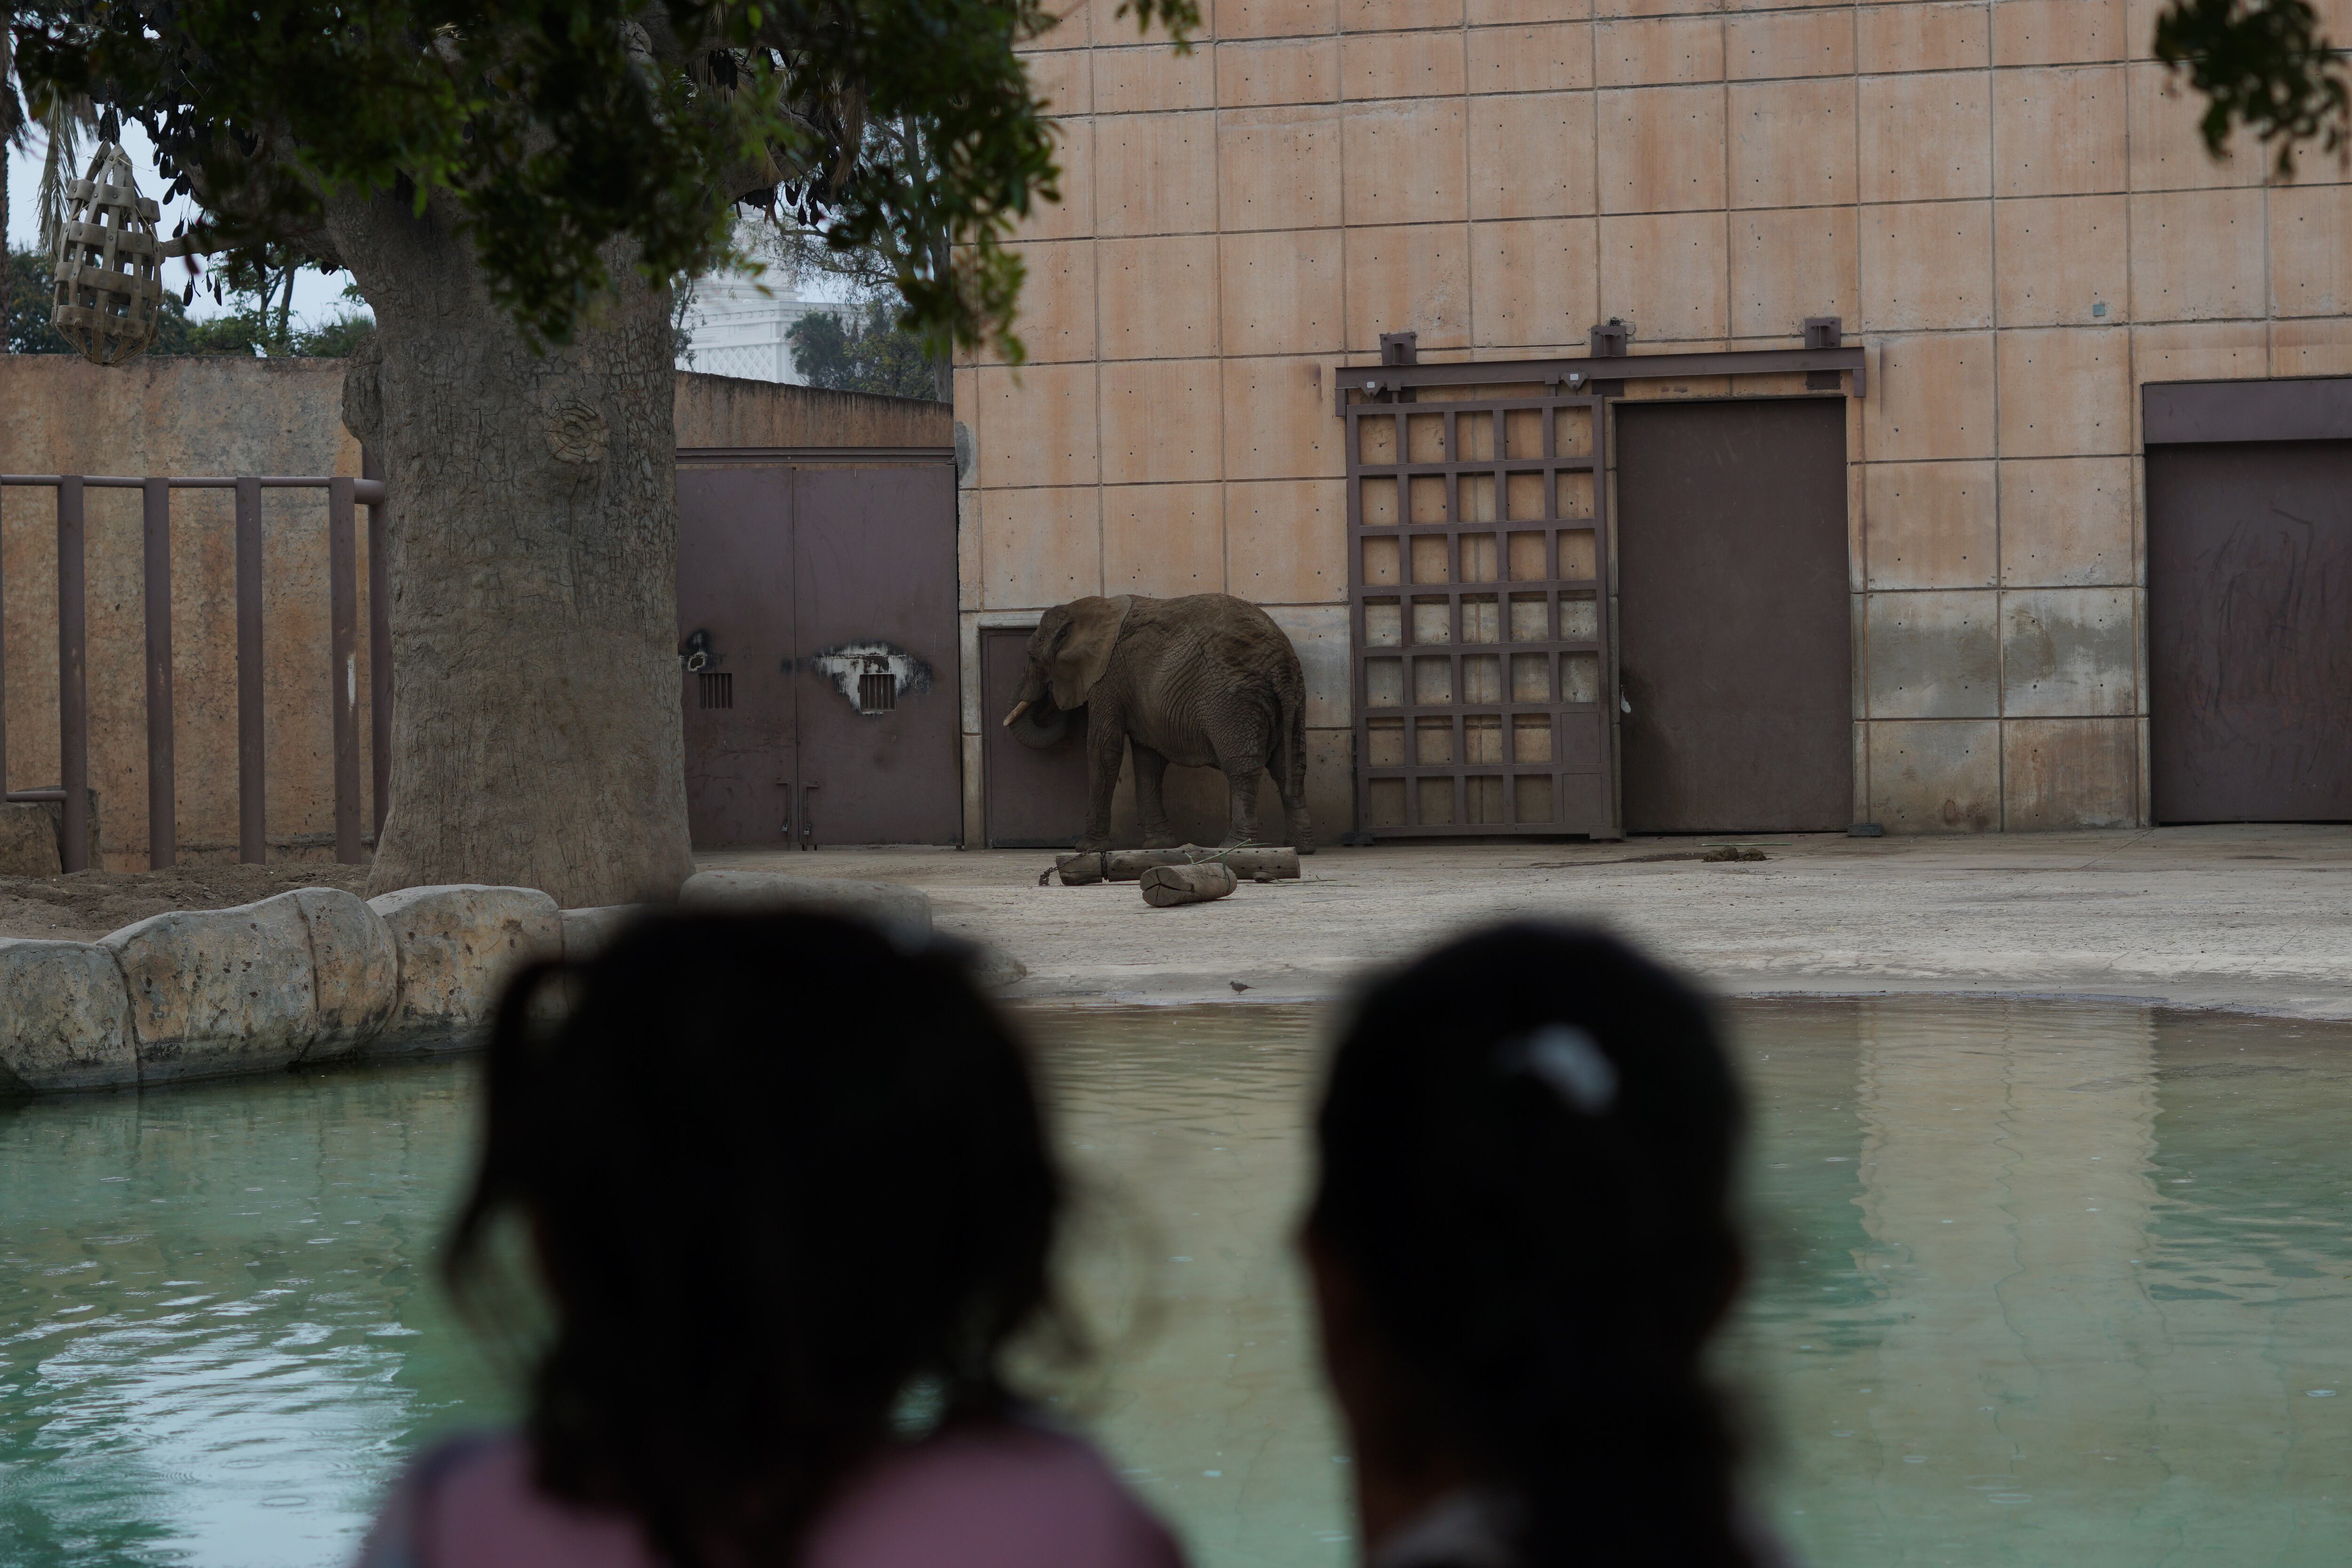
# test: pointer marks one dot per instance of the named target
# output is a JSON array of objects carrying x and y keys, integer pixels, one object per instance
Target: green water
[{"x": 2039, "y": 1284}]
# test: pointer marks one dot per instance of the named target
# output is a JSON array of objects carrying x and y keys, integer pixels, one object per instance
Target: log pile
[{"x": 1129, "y": 864}]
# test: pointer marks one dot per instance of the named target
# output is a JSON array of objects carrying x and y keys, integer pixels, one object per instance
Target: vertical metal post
[
  {"x": 343, "y": 700},
  {"x": 73, "y": 678},
  {"x": 163, "y": 789},
  {"x": 379, "y": 648},
  {"x": 252, "y": 847}
]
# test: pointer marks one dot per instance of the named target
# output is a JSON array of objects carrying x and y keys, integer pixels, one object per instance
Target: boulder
[
  {"x": 586, "y": 931},
  {"x": 214, "y": 992},
  {"x": 28, "y": 840},
  {"x": 902, "y": 910},
  {"x": 457, "y": 946},
  {"x": 65, "y": 1017},
  {"x": 355, "y": 972}
]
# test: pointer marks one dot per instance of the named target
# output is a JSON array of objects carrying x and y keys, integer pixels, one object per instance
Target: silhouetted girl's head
[
  {"x": 780, "y": 1174},
  {"x": 1527, "y": 1146}
]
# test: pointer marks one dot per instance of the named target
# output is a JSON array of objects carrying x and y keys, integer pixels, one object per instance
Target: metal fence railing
[{"x": 343, "y": 496}]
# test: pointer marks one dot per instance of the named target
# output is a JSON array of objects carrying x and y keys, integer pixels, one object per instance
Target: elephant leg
[
  {"x": 1300, "y": 831},
  {"x": 1241, "y": 788},
  {"x": 1104, "y": 745},
  {"x": 1150, "y": 773}
]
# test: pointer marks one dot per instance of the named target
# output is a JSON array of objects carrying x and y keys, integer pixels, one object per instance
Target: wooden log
[
  {"x": 1078, "y": 870},
  {"x": 1168, "y": 885},
  {"x": 1258, "y": 865}
]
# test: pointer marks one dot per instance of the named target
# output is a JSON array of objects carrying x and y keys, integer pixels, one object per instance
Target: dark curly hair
[
  {"x": 1546, "y": 1243},
  {"x": 779, "y": 1172}
]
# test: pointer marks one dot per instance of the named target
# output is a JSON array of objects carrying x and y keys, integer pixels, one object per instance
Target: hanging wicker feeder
[{"x": 109, "y": 293}]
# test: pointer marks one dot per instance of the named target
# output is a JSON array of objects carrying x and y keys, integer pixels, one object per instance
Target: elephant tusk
[{"x": 1013, "y": 718}]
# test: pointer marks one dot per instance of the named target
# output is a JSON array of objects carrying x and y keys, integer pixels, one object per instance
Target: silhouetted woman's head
[
  {"x": 780, "y": 1174},
  {"x": 1523, "y": 1238}
]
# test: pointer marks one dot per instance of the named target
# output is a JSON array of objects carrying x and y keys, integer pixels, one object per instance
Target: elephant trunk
[{"x": 1013, "y": 718}]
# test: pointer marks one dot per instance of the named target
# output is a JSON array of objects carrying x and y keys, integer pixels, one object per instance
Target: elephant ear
[{"x": 1083, "y": 651}]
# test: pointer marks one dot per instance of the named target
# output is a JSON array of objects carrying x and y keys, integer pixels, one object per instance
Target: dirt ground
[
  {"x": 83, "y": 906},
  {"x": 2246, "y": 917}
]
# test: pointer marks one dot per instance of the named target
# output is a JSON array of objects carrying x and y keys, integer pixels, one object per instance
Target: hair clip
[{"x": 1570, "y": 1064}]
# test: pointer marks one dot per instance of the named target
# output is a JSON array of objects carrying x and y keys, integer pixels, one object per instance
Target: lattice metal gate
[{"x": 1478, "y": 560}]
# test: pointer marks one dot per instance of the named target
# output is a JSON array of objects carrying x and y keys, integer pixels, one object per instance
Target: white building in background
[{"x": 737, "y": 327}]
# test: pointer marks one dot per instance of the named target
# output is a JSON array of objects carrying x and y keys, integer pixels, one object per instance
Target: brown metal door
[
  {"x": 1037, "y": 797},
  {"x": 2249, "y": 632},
  {"x": 735, "y": 586},
  {"x": 875, "y": 618},
  {"x": 1480, "y": 627},
  {"x": 1734, "y": 629}
]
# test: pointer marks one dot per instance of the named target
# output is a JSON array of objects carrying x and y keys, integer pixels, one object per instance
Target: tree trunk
[{"x": 536, "y": 730}]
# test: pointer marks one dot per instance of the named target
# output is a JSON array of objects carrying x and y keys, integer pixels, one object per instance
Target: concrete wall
[
  {"x": 171, "y": 415},
  {"x": 2002, "y": 200},
  {"x": 723, "y": 411},
  {"x": 221, "y": 416}
]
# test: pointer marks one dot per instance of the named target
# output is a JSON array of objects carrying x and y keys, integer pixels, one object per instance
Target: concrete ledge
[
  {"x": 64, "y": 1018},
  {"x": 457, "y": 945}
]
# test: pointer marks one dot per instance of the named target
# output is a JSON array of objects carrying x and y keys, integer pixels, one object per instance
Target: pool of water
[{"x": 2038, "y": 1284}]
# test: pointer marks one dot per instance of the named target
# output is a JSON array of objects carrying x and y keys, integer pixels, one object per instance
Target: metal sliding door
[
  {"x": 1477, "y": 560},
  {"x": 1734, "y": 620},
  {"x": 2249, "y": 637},
  {"x": 817, "y": 630}
]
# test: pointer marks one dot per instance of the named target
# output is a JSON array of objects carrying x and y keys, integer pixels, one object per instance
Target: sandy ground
[
  {"x": 2256, "y": 917},
  {"x": 86, "y": 905}
]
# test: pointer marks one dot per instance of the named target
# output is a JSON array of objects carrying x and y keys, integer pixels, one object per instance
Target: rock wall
[{"x": 316, "y": 976}]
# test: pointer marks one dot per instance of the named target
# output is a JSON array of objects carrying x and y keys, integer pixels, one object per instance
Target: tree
[
  {"x": 896, "y": 151},
  {"x": 514, "y": 189},
  {"x": 2263, "y": 65},
  {"x": 862, "y": 348},
  {"x": 248, "y": 330}
]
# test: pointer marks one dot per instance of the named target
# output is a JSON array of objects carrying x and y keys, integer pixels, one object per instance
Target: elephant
[{"x": 1206, "y": 681}]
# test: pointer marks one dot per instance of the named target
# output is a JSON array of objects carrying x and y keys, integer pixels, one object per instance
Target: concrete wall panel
[
  {"x": 1787, "y": 265},
  {"x": 2067, "y": 652},
  {"x": 1921, "y": 37},
  {"x": 2058, "y": 132},
  {"x": 1927, "y": 266},
  {"x": 1287, "y": 542},
  {"x": 2066, "y": 523},
  {"x": 1552, "y": 57},
  {"x": 1932, "y": 525},
  {"x": 1931, "y": 397},
  {"x": 2064, "y": 260},
  {"x": 1926, "y": 137},
  {"x": 2197, "y": 255},
  {"x": 2065, "y": 393},
  {"x": 1792, "y": 143},
  {"x": 1531, "y": 155},
  {"x": 2070, "y": 773},
  {"x": 1165, "y": 541},
  {"x": 1933, "y": 655},
  {"x": 1775, "y": 44},
  {"x": 1936, "y": 777}
]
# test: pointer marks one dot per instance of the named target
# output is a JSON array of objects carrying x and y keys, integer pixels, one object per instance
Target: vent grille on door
[
  {"x": 718, "y": 689},
  {"x": 877, "y": 693}
]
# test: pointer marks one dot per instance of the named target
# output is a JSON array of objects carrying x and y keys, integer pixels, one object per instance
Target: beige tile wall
[{"x": 2005, "y": 200}]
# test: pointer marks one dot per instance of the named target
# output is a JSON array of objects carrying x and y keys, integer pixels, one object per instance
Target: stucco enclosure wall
[
  {"x": 178, "y": 415},
  {"x": 221, "y": 416},
  {"x": 2002, "y": 200}
]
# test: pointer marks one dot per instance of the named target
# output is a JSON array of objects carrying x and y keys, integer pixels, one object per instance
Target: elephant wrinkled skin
[{"x": 1207, "y": 680}]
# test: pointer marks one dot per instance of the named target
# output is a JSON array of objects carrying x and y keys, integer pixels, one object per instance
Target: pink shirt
[{"x": 999, "y": 1496}]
